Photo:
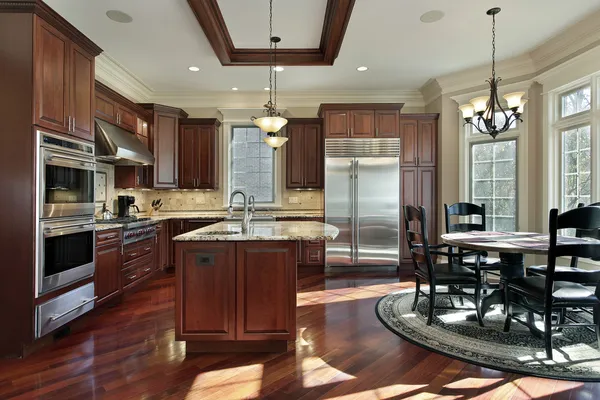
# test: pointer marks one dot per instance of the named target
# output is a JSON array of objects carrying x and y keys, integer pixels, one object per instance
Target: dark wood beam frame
[{"x": 337, "y": 16}]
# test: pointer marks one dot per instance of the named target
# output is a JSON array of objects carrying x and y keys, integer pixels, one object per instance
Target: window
[
  {"x": 494, "y": 182},
  {"x": 252, "y": 164},
  {"x": 576, "y": 101},
  {"x": 576, "y": 167}
]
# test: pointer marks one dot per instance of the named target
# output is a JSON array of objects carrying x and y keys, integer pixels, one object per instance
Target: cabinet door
[
  {"x": 82, "y": 93},
  {"x": 313, "y": 255},
  {"x": 387, "y": 123},
  {"x": 362, "y": 123},
  {"x": 105, "y": 108},
  {"x": 158, "y": 249},
  {"x": 427, "y": 140},
  {"x": 427, "y": 199},
  {"x": 176, "y": 229},
  {"x": 266, "y": 290},
  {"x": 188, "y": 155},
  {"x": 408, "y": 142},
  {"x": 107, "y": 278},
  {"x": 127, "y": 118},
  {"x": 141, "y": 127},
  {"x": 205, "y": 292},
  {"x": 409, "y": 182},
  {"x": 295, "y": 156},
  {"x": 51, "y": 78},
  {"x": 165, "y": 150},
  {"x": 206, "y": 165},
  {"x": 313, "y": 157},
  {"x": 337, "y": 124}
]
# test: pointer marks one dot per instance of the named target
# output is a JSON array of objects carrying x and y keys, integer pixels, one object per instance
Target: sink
[{"x": 219, "y": 233}]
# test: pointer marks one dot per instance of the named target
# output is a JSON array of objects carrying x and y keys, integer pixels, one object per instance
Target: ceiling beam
[{"x": 337, "y": 16}]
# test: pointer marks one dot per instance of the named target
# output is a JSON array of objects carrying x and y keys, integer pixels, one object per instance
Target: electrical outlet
[{"x": 293, "y": 200}]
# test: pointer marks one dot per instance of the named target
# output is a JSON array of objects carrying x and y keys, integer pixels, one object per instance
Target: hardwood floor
[{"x": 342, "y": 352}]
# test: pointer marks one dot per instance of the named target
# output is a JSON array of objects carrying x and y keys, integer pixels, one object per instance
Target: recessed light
[
  {"x": 362, "y": 69},
  {"x": 432, "y": 16},
  {"x": 278, "y": 69},
  {"x": 119, "y": 16},
  {"x": 234, "y": 88},
  {"x": 194, "y": 69},
  {"x": 267, "y": 88}
]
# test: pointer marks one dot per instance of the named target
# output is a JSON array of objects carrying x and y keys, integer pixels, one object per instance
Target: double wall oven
[{"x": 65, "y": 228}]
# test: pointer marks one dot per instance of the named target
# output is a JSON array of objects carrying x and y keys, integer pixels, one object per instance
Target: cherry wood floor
[{"x": 342, "y": 352}]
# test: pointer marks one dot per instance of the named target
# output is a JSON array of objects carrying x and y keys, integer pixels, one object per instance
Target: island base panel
[{"x": 245, "y": 346}]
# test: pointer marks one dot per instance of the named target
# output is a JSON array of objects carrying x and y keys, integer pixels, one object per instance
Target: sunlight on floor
[
  {"x": 231, "y": 383},
  {"x": 315, "y": 371},
  {"x": 469, "y": 383},
  {"x": 388, "y": 392}
]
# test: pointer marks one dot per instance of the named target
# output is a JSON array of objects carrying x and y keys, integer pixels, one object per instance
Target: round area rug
[{"x": 576, "y": 355}]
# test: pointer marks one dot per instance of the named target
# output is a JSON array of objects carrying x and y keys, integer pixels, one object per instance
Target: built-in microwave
[
  {"x": 65, "y": 253},
  {"x": 66, "y": 173}
]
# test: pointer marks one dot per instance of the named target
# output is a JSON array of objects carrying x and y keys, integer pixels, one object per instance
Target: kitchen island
[{"x": 236, "y": 292}]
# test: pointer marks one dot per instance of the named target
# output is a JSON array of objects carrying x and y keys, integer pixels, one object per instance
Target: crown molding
[{"x": 118, "y": 78}]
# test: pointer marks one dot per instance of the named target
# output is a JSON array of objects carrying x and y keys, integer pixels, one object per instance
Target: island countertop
[{"x": 261, "y": 231}]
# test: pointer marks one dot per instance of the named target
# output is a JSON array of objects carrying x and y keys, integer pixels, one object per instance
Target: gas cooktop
[{"x": 122, "y": 220}]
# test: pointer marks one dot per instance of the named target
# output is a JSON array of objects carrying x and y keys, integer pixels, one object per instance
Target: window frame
[
  {"x": 486, "y": 140},
  {"x": 575, "y": 89}
]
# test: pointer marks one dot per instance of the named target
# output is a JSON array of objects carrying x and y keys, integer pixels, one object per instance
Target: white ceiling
[{"x": 385, "y": 35}]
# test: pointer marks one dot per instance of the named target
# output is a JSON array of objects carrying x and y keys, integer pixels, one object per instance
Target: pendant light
[
  {"x": 273, "y": 121},
  {"x": 486, "y": 107}
]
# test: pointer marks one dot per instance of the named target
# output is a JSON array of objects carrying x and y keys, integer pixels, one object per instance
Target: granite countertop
[
  {"x": 107, "y": 227},
  {"x": 262, "y": 231}
]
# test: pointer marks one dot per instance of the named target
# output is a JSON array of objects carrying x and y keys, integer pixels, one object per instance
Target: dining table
[{"x": 511, "y": 247}]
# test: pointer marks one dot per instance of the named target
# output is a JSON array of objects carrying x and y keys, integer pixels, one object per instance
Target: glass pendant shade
[
  {"x": 467, "y": 111},
  {"x": 514, "y": 99},
  {"x": 479, "y": 103},
  {"x": 522, "y": 106},
  {"x": 275, "y": 141},
  {"x": 270, "y": 124}
]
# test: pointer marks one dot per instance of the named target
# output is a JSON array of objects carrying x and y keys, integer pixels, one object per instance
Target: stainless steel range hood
[{"x": 117, "y": 146}]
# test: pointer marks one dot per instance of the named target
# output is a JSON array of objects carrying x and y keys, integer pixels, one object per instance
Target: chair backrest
[
  {"x": 581, "y": 233},
  {"x": 581, "y": 218},
  {"x": 464, "y": 210},
  {"x": 417, "y": 241}
]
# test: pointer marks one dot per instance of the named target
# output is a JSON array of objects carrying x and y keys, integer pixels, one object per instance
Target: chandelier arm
[{"x": 474, "y": 125}]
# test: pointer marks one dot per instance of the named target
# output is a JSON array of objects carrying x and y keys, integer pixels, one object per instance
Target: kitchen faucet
[
  {"x": 247, "y": 216},
  {"x": 251, "y": 205}
]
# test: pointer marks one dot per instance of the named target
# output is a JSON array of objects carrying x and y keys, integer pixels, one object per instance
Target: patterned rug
[{"x": 576, "y": 355}]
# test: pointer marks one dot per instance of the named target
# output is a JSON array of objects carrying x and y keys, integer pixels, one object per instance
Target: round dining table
[{"x": 511, "y": 246}]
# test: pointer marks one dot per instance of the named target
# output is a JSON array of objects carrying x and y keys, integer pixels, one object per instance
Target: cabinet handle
[
  {"x": 83, "y": 303},
  {"x": 122, "y": 246},
  {"x": 118, "y": 118},
  {"x": 148, "y": 269},
  {"x": 376, "y": 131},
  {"x": 155, "y": 239},
  {"x": 137, "y": 180},
  {"x": 132, "y": 277},
  {"x": 111, "y": 237},
  {"x": 418, "y": 161},
  {"x": 132, "y": 254},
  {"x": 415, "y": 160},
  {"x": 73, "y": 124},
  {"x": 350, "y": 131},
  {"x": 69, "y": 123},
  {"x": 148, "y": 249}
]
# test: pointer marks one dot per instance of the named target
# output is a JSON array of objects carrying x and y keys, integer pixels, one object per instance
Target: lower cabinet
[
  {"x": 181, "y": 226},
  {"x": 235, "y": 291},
  {"x": 107, "y": 278},
  {"x": 311, "y": 253},
  {"x": 138, "y": 262}
]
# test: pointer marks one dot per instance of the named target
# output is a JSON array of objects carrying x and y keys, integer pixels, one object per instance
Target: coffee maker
[{"x": 124, "y": 202}]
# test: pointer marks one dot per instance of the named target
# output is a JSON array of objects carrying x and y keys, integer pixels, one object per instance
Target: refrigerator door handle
[
  {"x": 356, "y": 211},
  {"x": 353, "y": 216}
]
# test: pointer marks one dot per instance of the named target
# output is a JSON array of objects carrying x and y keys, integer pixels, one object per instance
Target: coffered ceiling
[{"x": 402, "y": 53}]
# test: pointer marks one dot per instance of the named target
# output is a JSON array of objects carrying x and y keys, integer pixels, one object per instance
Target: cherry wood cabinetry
[
  {"x": 165, "y": 132},
  {"x": 107, "y": 277},
  {"x": 181, "y": 226},
  {"x": 310, "y": 253},
  {"x": 418, "y": 171},
  {"x": 304, "y": 154},
  {"x": 63, "y": 80},
  {"x": 243, "y": 293},
  {"x": 361, "y": 120},
  {"x": 199, "y": 153},
  {"x": 138, "y": 262}
]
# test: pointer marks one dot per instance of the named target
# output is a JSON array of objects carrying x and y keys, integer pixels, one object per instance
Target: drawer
[
  {"x": 130, "y": 275},
  {"x": 146, "y": 247},
  {"x": 64, "y": 308},
  {"x": 108, "y": 237},
  {"x": 131, "y": 252},
  {"x": 314, "y": 256},
  {"x": 314, "y": 243}
]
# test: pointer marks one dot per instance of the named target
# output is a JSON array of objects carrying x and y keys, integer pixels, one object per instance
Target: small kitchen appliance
[{"x": 124, "y": 202}]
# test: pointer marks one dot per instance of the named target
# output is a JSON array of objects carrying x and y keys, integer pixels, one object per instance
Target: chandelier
[
  {"x": 488, "y": 108},
  {"x": 273, "y": 121}
]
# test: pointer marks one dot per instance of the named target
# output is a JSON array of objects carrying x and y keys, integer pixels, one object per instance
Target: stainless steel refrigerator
[{"x": 362, "y": 199}]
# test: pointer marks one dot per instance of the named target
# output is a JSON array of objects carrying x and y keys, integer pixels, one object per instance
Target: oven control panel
[{"x": 137, "y": 234}]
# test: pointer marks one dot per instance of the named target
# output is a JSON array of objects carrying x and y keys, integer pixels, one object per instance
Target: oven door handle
[
  {"x": 67, "y": 229},
  {"x": 71, "y": 160},
  {"x": 59, "y": 316}
]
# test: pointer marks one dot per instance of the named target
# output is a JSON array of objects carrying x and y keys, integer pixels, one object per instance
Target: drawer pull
[
  {"x": 148, "y": 269},
  {"x": 132, "y": 254},
  {"x": 132, "y": 277},
  {"x": 148, "y": 249},
  {"x": 110, "y": 237},
  {"x": 55, "y": 317}
]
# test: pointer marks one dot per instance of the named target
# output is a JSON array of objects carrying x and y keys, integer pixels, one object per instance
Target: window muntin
[
  {"x": 576, "y": 167},
  {"x": 576, "y": 101},
  {"x": 252, "y": 164},
  {"x": 494, "y": 182}
]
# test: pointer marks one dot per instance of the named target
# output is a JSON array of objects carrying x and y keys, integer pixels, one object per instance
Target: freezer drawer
[{"x": 64, "y": 308}]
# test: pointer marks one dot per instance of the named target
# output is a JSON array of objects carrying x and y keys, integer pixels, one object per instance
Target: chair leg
[
  {"x": 451, "y": 301},
  {"x": 478, "y": 303},
  {"x": 548, "y": 332},
  {"x": 417, "y": 289},
  {"x": 431, "y": 303},
  {"x": 597, "y": 322},
  {"x": 507, "y": 308}
]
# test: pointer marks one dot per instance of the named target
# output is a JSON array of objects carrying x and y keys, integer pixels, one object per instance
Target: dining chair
[
  {"x": 545, "y": 295},
  {"x": 451, "y": 273},
  {"x": 572, "y": 273}
]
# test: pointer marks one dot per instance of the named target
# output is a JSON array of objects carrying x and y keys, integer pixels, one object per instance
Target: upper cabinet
[
  {"x": 199, "y": 153},
  {"x": 418, "y": 138},
  {"x": 165, "y": 132},
  {"x": 304, "y": 154},
  {"x": 361, "y": 120},
  {"x": 63, "y": 81},
  {"x": 114, "y": 108}
]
